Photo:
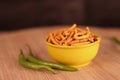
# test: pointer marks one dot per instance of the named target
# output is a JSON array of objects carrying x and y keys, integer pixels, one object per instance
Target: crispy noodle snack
[{"x": 73, "y": 36}]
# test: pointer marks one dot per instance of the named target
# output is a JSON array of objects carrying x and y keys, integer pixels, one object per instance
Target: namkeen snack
[{"x": 72, "y": 36}]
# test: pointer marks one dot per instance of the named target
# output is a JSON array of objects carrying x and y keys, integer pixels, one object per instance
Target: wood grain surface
[{"x": 106, "y": 65}]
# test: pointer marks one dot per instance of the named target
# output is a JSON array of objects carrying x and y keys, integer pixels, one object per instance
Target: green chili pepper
[
  {"x": 33, "y": 59},
  {"x": 28, "y": 64},
  {"x": 116, "y": 40}
]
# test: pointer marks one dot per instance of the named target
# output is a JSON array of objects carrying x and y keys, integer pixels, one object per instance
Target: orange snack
[{"x": 73, "y": 36}]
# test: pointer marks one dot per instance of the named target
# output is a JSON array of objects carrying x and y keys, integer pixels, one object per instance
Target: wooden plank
[{"x": 105, "y": 66}]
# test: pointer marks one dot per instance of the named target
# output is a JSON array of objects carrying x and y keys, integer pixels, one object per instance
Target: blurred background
[{"x": 18, "y": 14}]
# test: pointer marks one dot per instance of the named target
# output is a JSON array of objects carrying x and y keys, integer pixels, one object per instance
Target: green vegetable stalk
[
  {"x": 35, "y": 60},
  {"x": 28, "y": 64},
  {"x": 116, "y": 40}
]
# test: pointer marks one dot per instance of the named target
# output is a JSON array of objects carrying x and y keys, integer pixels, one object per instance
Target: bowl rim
[{"x": 84, "y": 45}]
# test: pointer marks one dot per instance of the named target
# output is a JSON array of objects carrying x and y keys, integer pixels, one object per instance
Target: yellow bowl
[{"x": 76, "y": 56}]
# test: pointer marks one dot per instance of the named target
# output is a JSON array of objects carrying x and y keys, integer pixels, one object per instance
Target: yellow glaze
[{"x": 76, "y": 56}]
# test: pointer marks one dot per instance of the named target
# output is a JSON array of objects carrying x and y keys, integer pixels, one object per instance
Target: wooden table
[{"x": 106, "y": 65}]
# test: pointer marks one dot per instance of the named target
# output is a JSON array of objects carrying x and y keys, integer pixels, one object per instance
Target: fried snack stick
[
  {"x": 52, "y": 39},
  {"x": 73, "y": 42},
  {"x": 73, "y": 27},
  {"x": 67, "y": 32},
  {"x": 79, "y": 36},
  {"x": 67, "y": 41},
  {"x": 71, "y": 36}
]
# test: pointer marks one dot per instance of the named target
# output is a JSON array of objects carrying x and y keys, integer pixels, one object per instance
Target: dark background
[{"x": 17, "y": 14}]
